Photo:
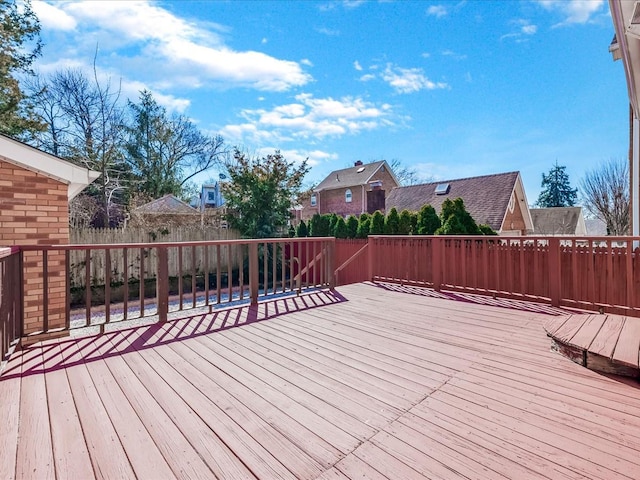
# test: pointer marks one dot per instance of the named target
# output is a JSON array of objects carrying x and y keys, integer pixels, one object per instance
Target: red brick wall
[
  {"x": 35, "y": 211},
  {"x": 333, "y": 201}
]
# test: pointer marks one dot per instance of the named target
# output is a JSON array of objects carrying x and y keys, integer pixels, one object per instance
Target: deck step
[{"x": 604, "y": 343}]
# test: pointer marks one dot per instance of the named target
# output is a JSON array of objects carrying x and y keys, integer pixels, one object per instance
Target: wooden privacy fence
[
  {"x": 97, "y": 273},
  {"x": 597, "y": 273},
  {"x": 10, "y": 300},
  {"x": 223, "y": 272}
]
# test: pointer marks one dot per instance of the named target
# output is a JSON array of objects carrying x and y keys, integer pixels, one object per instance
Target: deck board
[
  {"x": 628, "y": 345},
  {"x": 605, "y": 341},
  {"x": 372, "y": 382}
]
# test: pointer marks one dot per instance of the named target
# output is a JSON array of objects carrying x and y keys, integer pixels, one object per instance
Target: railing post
[
  {"x": 253, "y": 272},
  {"x": 370, "y": 258},
  {"x": 436, "y": 262},
  {"x": 331, "y": 263},
  {"x": 554, "y": 271},
  {"x": 162, "y": 284}
]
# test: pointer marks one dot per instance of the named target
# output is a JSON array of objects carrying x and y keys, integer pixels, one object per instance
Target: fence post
[
  {"x": 554, "y": 271},
  {"x": 162, "y": 284},
  {"x": 253, "y": 272},
  {"x": 436, "y": 262}
]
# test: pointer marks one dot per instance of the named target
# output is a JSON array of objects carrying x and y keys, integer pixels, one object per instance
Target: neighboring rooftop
[
  {"x": 486, "y": 197},
  {"x": 359, "y": 174},
  {"x": 558, "y": 221},
  {"x": 167, "y": 204}
]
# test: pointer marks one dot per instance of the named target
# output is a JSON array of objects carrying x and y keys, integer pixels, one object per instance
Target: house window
[
  {"x": 348, "y": 196},
  {"x": 211, "y": 196},
  {"x": 382, "y": 168},
  {"x": 314, "y": 200}
]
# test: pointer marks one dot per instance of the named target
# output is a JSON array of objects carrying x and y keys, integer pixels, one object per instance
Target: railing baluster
[
  {"x": 205, "y": 249},
  {"x": 87, "y": 286},
  {"x": 141, "y": 285},
  {"x": 107, "y": 285},
  {"x": 180, "y": 286},
  {"x": 45, "y": 291},
  {"x": 218, "y": 276},
  {"x": 125, "y": 282},
  {"x": 193, "y": 276}
]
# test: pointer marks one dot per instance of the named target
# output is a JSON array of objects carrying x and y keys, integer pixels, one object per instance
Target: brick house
[
  {"x": 497, "y": 200},
  {"x": 35, "y": 189},
  {"x": 351, "y": 191}
]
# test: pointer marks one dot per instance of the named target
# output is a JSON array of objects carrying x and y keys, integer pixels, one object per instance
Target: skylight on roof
[
  {"x": 360, "y": 170},
  {"x": 442, "y": 189}
]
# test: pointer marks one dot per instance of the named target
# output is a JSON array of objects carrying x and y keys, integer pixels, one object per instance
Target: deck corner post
[
  {"x": 253, "y": 273},
  {"x": 162, "y": 287},
  {"x": 370, "y": 258},
  {"x": 554, "y": 271}
]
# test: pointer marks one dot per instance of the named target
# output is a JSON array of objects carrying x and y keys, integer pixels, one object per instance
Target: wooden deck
[
  {"x": 365, "y": 382},
  {"x": 606, "y": 343}
]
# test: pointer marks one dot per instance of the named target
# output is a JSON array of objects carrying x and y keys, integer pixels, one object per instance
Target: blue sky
[{"x": 453, "y": 89}]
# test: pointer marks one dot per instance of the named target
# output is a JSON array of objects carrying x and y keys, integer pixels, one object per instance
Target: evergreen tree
[
  {"x": 456, "y": 220},
  {"x": 319, "y": 226},
  {"x": 340, "y": 229},
  {"x": 377, "y": 223},
  {"x": 428, "y": 221},
  {"x": 352, "y": 226},
  {"x": 556, "y": 189},
  {"x": 392, "y": 222},
  {"x": 292, "y": 231},
  {"x": 364, "y": 225},
  {"x": 404, "y": 226},
  {"x": 301, "y": 229}
]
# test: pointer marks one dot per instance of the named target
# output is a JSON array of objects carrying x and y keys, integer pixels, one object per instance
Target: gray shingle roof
[
  {"x": 555, "y": 221},
  {"x": 486, "y": 198},
  {"x": 350, "y": 177},
  {"x": 166, "y": 204}
]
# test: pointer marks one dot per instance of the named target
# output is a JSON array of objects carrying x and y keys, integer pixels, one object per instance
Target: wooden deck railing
[
  {"x": 10, "y": 300},
  {"x": 595, "y": 273},
  {"x": 115, "y": 282}
]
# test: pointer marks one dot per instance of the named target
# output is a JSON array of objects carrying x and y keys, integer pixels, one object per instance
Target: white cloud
[
  {"x": 264, "y": 41},
  {"x": 328, "y": 32},
  {"x": 309, "y": 118},
  {"x": 426, "y": 55},
  {"x": 573, "y": 11},
  {"x": 307, "y": 62},
  {"x": 367, "y": 76},
  {"x": 357, "y": 65},
  {"x": 523, "y": 29},
  {"x": 454, "y": 55},
  {"x": 437, "y": 11},
  {"x": 180, "y": 48},
  {"x": 409, "y": 80},
  {"x": 52, "y": 17}
]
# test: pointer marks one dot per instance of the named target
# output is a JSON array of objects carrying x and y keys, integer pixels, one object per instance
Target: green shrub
[
  {"x": 427, "y": 221},
  {"x": 392, "y": 223}
]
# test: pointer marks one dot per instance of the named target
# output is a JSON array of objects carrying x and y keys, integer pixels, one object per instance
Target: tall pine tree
[{"x": 556, "y": 189}]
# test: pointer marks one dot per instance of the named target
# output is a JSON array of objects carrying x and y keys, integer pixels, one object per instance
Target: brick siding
[
  {"x": 35, "y": 211},
  {"x": 333, "y": 201}
]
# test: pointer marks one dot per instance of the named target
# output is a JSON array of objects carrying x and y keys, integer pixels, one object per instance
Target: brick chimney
[{"x": 358, "y": 163}]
